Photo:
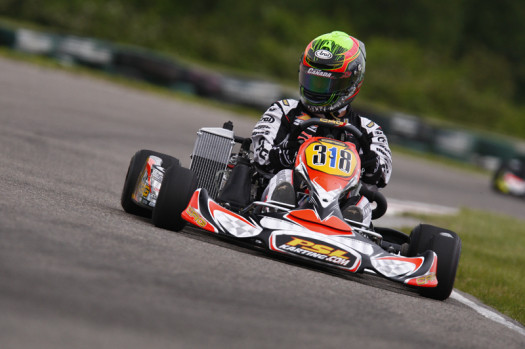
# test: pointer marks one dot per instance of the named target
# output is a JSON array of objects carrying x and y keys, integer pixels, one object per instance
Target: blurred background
[{"x": 445, "y": 77}]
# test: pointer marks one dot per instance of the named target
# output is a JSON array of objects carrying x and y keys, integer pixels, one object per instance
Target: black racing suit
[{"x": 270, "y": 136}]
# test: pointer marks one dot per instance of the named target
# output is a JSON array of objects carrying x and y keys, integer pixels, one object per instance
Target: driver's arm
[
  {"x": 271, "y": 130},
  {"x": 379, "y": 173}
]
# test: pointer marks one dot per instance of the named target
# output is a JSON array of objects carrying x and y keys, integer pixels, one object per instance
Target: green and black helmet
[{"x": 331, "y": 72}]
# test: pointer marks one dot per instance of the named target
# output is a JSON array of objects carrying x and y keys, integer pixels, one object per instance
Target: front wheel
[
  {"x": 447, "y": 245},
  {"x": 136, "y": 166},
  {"x": 178, "y": 185}
]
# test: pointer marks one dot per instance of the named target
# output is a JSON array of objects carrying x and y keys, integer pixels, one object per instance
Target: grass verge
[{"x": 492, "y": 262}]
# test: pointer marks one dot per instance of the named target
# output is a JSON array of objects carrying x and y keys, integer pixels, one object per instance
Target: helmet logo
[
  {"x": 323, "y": 54},
  {"x": 313, "y": 71}
]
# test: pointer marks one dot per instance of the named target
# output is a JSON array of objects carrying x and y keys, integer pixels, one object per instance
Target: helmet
[{"x": 331, "y": 72}]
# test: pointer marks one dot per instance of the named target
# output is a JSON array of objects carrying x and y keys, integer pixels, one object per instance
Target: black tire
[
  {"x": 447, "y": 245},
  {"x": 178, "y": 185},
  {"x": 392, "y": 235},
  {"x": 136, "y": 165},
  {"x": 378, "y": 198}
]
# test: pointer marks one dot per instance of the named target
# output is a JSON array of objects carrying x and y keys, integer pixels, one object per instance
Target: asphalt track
[{"x": 77, "y": 272}]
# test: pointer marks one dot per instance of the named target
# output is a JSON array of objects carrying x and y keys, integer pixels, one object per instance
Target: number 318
[{"x": 341, "y": 158}]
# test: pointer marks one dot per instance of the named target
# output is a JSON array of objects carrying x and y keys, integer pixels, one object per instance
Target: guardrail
[{"x": 484, "y": 150}]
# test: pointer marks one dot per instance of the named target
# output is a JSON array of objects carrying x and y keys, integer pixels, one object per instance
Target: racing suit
[{"x": 272, "y": 152}]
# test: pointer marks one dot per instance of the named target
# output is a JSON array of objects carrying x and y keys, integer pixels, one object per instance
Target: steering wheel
[{"x": 333, "y": 125}]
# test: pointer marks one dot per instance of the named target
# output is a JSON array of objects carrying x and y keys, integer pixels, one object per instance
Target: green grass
[
  {"x": 413, "y": 76},
  {"x": 492, "y": 264}
]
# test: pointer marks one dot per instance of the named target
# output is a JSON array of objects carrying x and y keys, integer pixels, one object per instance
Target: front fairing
[
  {"x": 329, "y": 168},
  {"x": 303, "y": 234}
]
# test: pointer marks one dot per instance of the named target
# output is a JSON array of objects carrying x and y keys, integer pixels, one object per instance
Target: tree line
[{"x": 458, "y": 60}]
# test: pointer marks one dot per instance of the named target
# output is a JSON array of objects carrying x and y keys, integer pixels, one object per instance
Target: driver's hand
[
  {"x": 371, "y": 166},
  {"x": 370, "y": 161},
  {"x": 283, "y": 155}
]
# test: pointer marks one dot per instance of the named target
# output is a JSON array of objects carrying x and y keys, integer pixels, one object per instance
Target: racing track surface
[{"x": 77, "y": 272}]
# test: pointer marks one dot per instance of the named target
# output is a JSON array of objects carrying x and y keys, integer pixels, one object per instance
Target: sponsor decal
[
  {"x": 311, "y": 248},
  {"x": 260, "y": 133},
  {"x": 261, "y": 150},
  {"x": 286, "y": 103},
  {"x": 317, "y": 72},
  {"x": 367, "y": 210},
  {"x": 427, "y": 279},
  {"x": 146, "y": 191},
  {"x": 268, "y": 118},
  {"x": 335, "y": 122},
  {"x": 314, "y": 108},
  {"x": 323, "y": 54},
  {"x": 370, "y": 124},
  {"x": 197, "y": 218},
  {"x": 140, "y": 195}
]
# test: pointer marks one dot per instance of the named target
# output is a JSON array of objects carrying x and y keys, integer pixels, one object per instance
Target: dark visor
[{"x": 318, "y": 81}]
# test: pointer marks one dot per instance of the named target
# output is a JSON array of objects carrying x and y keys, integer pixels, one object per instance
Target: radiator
[{"x": 210, "y": 157}]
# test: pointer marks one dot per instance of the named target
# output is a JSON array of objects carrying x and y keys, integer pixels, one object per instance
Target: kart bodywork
[
  {"x": 221, "y": 192},
  {"x": 302, "y": 234},
  {"x": 509, "y": 178}
]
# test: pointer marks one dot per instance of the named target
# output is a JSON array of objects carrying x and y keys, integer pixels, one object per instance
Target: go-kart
[
  {"x": 220, "y": 193},
  {"x": 509, "y": 178}
]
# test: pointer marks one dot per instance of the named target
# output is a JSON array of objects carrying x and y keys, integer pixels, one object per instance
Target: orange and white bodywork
[{"x": 330, "y": 167}]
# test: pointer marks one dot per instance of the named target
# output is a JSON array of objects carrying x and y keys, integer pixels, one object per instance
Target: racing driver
[{"x": 331, "y": 73}]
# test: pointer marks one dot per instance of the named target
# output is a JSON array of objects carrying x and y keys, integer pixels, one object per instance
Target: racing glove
[
  {"x": 283, "y": 155},
  {"x": 371, "y": 167}
]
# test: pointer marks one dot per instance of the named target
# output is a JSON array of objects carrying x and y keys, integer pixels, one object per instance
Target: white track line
[
  {"x": 396, "y": 207},
  {"x": 489, "y": 314}
]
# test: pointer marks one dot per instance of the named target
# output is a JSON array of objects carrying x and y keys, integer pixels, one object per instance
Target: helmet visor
[{"x": 321, "y": 82}]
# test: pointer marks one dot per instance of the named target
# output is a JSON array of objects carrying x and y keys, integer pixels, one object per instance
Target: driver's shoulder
[
  {"x": 287, "y": 105},
  {"x": 367, "y": 124},
  {"x": 282, "y": 108}
]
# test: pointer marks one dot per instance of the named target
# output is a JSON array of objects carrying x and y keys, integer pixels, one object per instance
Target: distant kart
[
  {"x": 509, "y": 178},
  {"x": 221, "y": 190}
]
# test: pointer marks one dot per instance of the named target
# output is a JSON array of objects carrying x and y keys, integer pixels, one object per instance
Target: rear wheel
[
  {"x": 447, "y": 245},
  {"x": 136, "y": 165},
  {"x": 178, "y": 185}
]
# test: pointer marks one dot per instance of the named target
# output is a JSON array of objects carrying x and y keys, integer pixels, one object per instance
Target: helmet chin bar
[{"x": 337, "y": 114}]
